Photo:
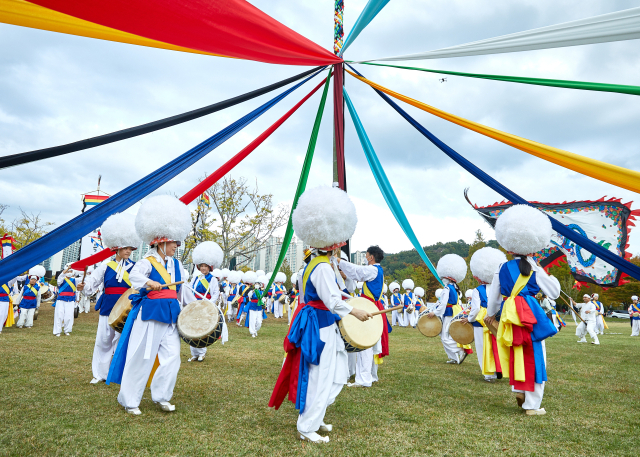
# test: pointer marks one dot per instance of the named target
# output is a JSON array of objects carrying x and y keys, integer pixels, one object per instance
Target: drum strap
[
  {"x": 125, "y": 277},
  {"x": 166, "y": 277},
  {"x": 35, "y": 292}
]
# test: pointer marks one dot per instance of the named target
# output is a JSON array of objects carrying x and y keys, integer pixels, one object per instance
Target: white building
[
  {"x": 359, "y": 258},
  {"x": 266, "y": 257}
]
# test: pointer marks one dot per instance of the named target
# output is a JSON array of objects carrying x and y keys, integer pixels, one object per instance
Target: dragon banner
[{"x": 606, "y": 221}]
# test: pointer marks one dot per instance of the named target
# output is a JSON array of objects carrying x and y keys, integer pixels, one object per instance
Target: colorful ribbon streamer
[
  {"x": 594, "y": 248},
  {"x": 302, "y": 183},
  {"x": 385, "y": 187},
  {"x": 618, "y": 26},
  {"x": 40, "y": 154},
  {"x": 232, "y": 28},
  {"x": 66, "y": 234},
  {"x": 612, "y": 174},
  {"x": 582, "y": 85},
  {"x": 370, "y": 11}
]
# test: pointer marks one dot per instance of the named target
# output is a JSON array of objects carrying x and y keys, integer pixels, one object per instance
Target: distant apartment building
[{"x": 358, "y": 258}]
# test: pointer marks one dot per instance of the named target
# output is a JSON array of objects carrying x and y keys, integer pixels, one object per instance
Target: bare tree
[{"x": 27, "y": 228}]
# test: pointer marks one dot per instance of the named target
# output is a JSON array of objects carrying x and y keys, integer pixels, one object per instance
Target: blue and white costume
[{"x": 65, "y": 303}]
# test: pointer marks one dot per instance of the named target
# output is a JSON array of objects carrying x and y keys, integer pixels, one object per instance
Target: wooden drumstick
[
  {"x": 167, "y": 285},
  {"x": 571, "y": 307},
  {"x": 387, "y": 310}
]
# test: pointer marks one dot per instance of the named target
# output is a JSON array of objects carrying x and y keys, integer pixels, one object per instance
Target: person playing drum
[
  {"x": 233, "y": 292},
  {"x": 69, "y": 284},
  {"x": 30, "y": 297},
  {"x": 255, "y": 311},
  {"x": 484, "y": 263},
  {"x": 245, "y": 286},
  {"x": 206, "y": 256},
  {"x": 409, "y": 302},
  {"x": 397, "y": 317},
  {"x": 119, "y": 235},
  {"x": 523, "y": 326},
  {"x": 6, "y": 303},
  {"x": 278, "y": 295},
  {"x": 325, "y": 217},
  {"x": 372, "y": 278},
  {"x": 162, "y": 222}
]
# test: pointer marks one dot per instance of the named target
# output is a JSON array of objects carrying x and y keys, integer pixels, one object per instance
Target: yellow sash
[
  {"x": 125, "y": 276},
  {"x": 35, "y": 291},
  {"x": 307, "y": 271},
  {"x": 72, "y": 285},
  {"x": 164, "y": 274},
  {"x": 10, "y": 320},
  {"x": 204, "y": 282},
  {"x": 508, "y": 319},
  {"x": 368, "y": 293}
]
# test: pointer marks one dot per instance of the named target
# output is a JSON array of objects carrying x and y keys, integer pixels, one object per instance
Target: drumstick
[
  {"x": 167, "y": 285},
  {"x": 571, "y": 307},
  {"x": 395, "y": 308}
]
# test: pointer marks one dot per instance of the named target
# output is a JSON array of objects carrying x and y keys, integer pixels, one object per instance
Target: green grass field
[{"x": 421, "y": 406}]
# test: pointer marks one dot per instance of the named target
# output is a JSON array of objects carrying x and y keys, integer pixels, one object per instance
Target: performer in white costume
[
  {"x": 372, "y": 277},
  {"x": 522, "y": 230},
  {"x": 204, "y": 286},
  {"x": 84, "y": 301},
  {"x": 588, "y": 313},
  {"x": 600, "y": 325},
  {"x": 119, "y": 235},
  {"x": 452, "y": 269},
  {"x": 248, "y": 278},
  {"x": 69, "y": 283},
  {"x": 6, "y": 303},
  {"x": 254, "y": 309},
  {"x": 233, "y": 292},
  {"x": 409, "y": 302},
  {"x": 484, "y": 263},
  {"x": 29, "y": 298},
  {"x": 278, "y": 294},
  {"x": 325, "y": 218},
  {"x": 162, "y": 222},
  {"x": 634, "y": 315},
  {"x": 397, "y": 317}
]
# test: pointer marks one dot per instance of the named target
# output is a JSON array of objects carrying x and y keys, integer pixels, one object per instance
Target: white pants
[
  {"x": 106, "y": 343},
  {"x": 277, "y": 309},
  {"x": 365, "y": 367},
  {"x": 148, "y": 339},
  {"x": 255, "y": 321},
  {"x": 395, "y": 318},
  {"x": 242, "y": 316},
  {"x": 198, "y": 352},
  {"x": 478, "y": 339},
  {"x": 351, "y": 360},
  {"x": 231, "y": 313},
  {"x": 26, "y": 318},
  {"x": 589, "y": 328},
  {"x": 63, "y": 316},
  {"x": 635, "y": 328},
  {"x": 4, "y": 313},
  {"x": 413, "y": 318},
  {"x": 449, "y": 344},
  {"x": 84, "y": 304},
  {"x": 533, "y": 400},
  {"x": 599, "y": 324},
  {"x": 325, "y": 380}
]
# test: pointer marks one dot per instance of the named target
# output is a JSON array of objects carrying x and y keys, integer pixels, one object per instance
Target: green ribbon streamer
[
  {"x": 302, "y": 183},
  {"x": 583, "y": 85}
]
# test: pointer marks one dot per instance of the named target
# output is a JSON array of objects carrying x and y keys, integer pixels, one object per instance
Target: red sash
[
  {"x": 385, "y": 329},
  {"x": 67, "y": 294},
  {"x": 164, "y": 293},
  {"x": 115, "y": 290}
]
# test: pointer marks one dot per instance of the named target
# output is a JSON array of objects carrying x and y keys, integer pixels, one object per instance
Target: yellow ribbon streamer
[
  {"x": 603, "y": 171},
  {"x": 25, "y": 14},
  {"x": 488, "y": 359},
  {"x": 10, "y": 321},
  {"x": 508, "y": 319}
]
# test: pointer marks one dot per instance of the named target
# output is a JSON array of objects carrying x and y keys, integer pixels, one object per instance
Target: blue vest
[
  {"x": 325, "y": 318},
  {"x": 396, "y": 299},
  {"x": 482, "y": 291},
  {"x": 453, "y": 300},
  {"x": 279, "y": 291},
  {"x": 29, "y": 299},
  {"x": 407, "y": 299},
  {"x": 635, "y": 309},
  {"x": 375, "y": 285},
  {"x": 201, "y": 289},
  {"x": 65, "y": 287},
  {"x": 235, "y": 290},
  {"x": 419, "y": 303},
  {"x": 106, "y": 302},
  {"x": 162, "y": 309},
  {"x": 4, "y": 296}
]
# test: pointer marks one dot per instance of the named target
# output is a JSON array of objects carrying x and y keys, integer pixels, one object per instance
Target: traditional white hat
[
  {"x": 249, "y": 277},
  {"x": 235, "y": 277},
  {"x": 119, "y": 231},
  {"x": 393, "y": 286},
  {"x": 419, "y": 291},
  {"x": 225, "y": 272},
  {"x": 281, "y": 277},
  {"x": 268, "y": 274},
  {"x": 522, "y": 229},
  {"x": 163, "y": 218},
  {"x": 634, "y": 297},
  {"x": 468, "y": 293},
  {"x": 217, "y": 273},
  {"x": 209, "y": 253},
  {"x": 407, "y": 284},
  {"x": 384, "y": 288},
  {"x": 325, "y": 218},
  {"x": 37, "y": 271},
  {"x": 595, "y": 296},
  {"x": 262, "y": 280},
  {"x": 294, "y": 278},
  {"x": 438, "y": 292},
  {"x": 452, "y": 266},
  {"x": 485, "y": 262},
  {"x": 260, "y": 273},
  {"x": 586, "y": 295}
]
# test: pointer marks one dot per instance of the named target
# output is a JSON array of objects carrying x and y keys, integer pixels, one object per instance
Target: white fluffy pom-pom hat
[
  {"x": 419, "y": 292},
  {"x": 281, "y": 277},
  {"x": 485, "y": 262},
  {"x": 325, "y": 218},
  {"x": 235, "y": 277},
  {"x": 249, "y": 277},
  {"x": 37, "y": 271},
  {"x": 407, "y": 284},
  {"x": 393, "y": 286},
  {"x": 523, "y": 230},
  {"x": 452, "y": 266},
  {"x": 119, "y": 231},
  {"x": 163, "y": 218},
  {"x": 209, "y": 253}
]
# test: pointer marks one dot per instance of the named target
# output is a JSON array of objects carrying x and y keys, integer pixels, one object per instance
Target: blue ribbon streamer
[
  {"x": 585, "y": 243},
  {"x": 371, "y": 10},
  {"x": 385, "y": 187},
  {"x": 68, "y": 233}
]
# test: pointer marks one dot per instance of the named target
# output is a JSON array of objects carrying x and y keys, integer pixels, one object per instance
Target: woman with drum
[
  {"x": 452, "y": 269},
  {"x": 325, "y": 218},
  {"x": 69, "y": 283},
  {"x": 162, "y": 222},
  {"x": 119, "y": 235},
  {"x": 30, "y": 297},
  {"x": 523, "y": 326},
  {"x": 204, "y": 286},
  {"x": 484, "y": 263}
]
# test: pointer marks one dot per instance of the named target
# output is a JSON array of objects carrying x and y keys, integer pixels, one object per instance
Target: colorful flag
[
  {"x": 92, "y": 200},
  {"x": 204, "y": 198},
  {"x": 7, "y": 245}
]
